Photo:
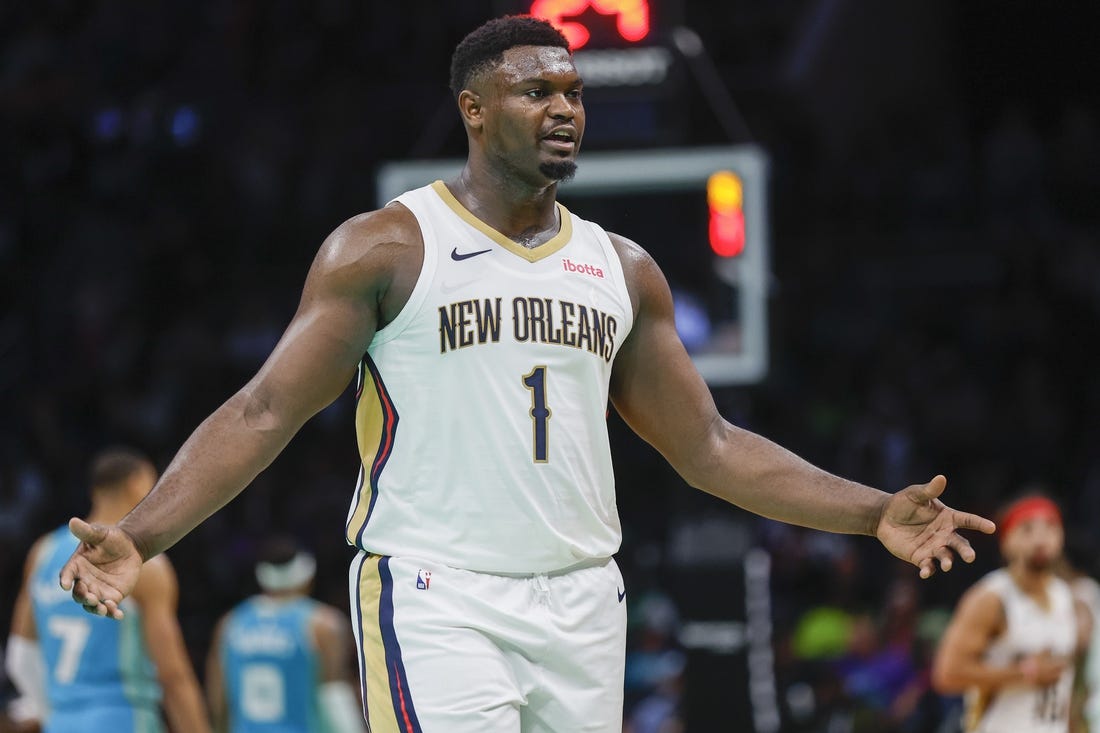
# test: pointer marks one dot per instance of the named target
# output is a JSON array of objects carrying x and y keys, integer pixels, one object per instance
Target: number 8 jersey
[
  {"x": 98, "y": 672},
  {"x": 481, "y": 408}
]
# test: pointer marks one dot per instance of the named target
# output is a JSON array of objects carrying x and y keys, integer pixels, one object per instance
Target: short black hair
[
  {"x": 278, "y": 549},
  {"x": 485, "y": 45},
  {"x": 113, "y": 466},
  {"x": 1029, "y": 490}
]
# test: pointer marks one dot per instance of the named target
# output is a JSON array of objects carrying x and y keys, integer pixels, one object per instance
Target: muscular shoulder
[
  {"x": 981, "y": 608},
  {"x": 217, "y": 636},
  {"x": 331, "y": 629},
  {"x": 332, "y": 638},
  {"x": 328, "y": 621},
  {"x": 377, "y": 255},
  {"x": 385, "y": 232},
  {"x": 33, "y": 555},
  {"x": 157, "y": 581},
  {"x": 644, "y": 280}
]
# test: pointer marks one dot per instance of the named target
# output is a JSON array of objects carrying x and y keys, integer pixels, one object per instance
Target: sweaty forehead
[{"x": 534, "y": 62}]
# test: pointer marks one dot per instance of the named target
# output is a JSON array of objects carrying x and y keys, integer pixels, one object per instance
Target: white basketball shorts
[{"x": 443, "y": 650}]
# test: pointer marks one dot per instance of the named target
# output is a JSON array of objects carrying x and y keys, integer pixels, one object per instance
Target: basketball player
[
  {"x": 490, "y": 326},
  {"x": 89, "y": 673},
  {"x": 279, "y": 661},
  {"x": 1012, "y": 642}
]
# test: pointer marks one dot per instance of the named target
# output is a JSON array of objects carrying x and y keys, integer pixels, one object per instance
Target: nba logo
[{"x": 423, "y": 579}]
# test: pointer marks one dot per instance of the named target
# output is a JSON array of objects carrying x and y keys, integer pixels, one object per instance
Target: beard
[
  {"x": 558, "y": 170},
  {"x": 1038, "y": 562}
]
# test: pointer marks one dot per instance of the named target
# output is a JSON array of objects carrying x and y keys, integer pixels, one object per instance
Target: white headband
[{"x": 297, "y": 572}]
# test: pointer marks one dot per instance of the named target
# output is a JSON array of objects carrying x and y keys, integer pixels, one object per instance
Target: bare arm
[
  {"x": 22, "y": 617},
  {"x": 332, "y": 634},
  {"x": 23, "y": 661},
  {"x": 336, "y": 693},
  {"x": 347, "y": 292},
  {"x": 157, "y": 592},
  {"x": 1085, "y": 625},
  {"x": 657, "y": 390},
  {"x": 309, "y": 368},
  {"x": 1079, "y": 695},
  {"x": 215, "y": 681}
]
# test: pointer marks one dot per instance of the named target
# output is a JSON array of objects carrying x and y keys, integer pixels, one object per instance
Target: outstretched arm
[
  {"x": 660, "y": 394},
  {"x": 309, "y": 367}
]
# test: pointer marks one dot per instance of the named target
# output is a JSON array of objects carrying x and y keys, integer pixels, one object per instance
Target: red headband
[{"x": 1033, "y": 507}]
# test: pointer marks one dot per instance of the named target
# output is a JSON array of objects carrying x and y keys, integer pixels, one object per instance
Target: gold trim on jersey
[
  {"x": 375, "y": 429},
  {"x": 534, "y": 254},
  {"x": 379, "y": 692},
  {"x": 975, "y": 704}
]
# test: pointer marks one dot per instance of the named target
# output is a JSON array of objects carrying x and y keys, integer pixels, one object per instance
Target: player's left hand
[{"x": 919, "y": 528}]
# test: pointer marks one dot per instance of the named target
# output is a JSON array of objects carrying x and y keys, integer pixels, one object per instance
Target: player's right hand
[
  {"x": 1042, "y": 669},
  {"x": 103, "y": 570}
]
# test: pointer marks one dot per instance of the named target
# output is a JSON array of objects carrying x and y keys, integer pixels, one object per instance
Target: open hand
[
  {"x": 103, "y": 570},
  {"x": 919, "y": 528}
]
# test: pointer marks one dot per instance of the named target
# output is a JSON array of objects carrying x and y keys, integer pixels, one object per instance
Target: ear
[{"x": 469, "y": 106}]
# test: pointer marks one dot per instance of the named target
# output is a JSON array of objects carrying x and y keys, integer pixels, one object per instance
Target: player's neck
[
  {"x": 1030, "y": 581},
  {"x": 108, "y": 512},
  {"x": 517, "y": 209}
]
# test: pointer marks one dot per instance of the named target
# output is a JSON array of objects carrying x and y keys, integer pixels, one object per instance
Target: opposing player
[
  {"x": 1013, "y": 640},
  {"x": 90, "y": 673},
  {"x": 489, "y": 327},
  {"x": 280, "y": 661}
]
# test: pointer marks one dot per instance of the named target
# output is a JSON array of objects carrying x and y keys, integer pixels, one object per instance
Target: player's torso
[
  {"x": 482, "y": 413},
  {"x": 270, "y": 667},
  {"x": 1030, "y": 628},
  {"x": 91, "y": 662}
]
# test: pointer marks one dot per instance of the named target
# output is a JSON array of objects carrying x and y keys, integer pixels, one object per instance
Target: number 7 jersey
[
  {"x": 481, "y": 413},
  {"x": 99, "y": 675}
]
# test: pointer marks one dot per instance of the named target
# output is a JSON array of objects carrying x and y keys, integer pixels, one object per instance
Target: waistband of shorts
[{"x": 592, "y": 562}]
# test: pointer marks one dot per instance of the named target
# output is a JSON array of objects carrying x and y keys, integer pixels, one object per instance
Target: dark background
[{"x": 167, "y": 172}]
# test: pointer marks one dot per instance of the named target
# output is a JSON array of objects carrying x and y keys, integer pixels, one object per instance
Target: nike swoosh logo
[
  {"x": 458, "y": 257},
  {"x": 622, "y": 594}
]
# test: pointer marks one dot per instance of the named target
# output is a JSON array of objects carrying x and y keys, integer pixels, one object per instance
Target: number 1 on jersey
[{"x": 540, "y": 413}]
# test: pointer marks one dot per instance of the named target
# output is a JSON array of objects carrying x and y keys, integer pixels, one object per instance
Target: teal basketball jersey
[
  {"x": 270, "y": 667},
  {"x": 99, "y": 675}
]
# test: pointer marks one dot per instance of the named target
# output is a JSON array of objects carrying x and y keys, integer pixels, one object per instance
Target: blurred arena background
[{"x": 167, "y": 171}]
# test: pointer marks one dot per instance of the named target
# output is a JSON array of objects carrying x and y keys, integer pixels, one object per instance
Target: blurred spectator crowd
[{"x": 167, "y": 171}]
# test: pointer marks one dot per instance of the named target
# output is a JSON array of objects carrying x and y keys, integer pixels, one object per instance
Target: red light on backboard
[
  {"x": 726, "y": 228},
  {"x": 631, "y": 17}
]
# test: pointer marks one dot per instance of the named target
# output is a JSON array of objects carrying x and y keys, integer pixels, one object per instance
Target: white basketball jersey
[
  {"x": 1030, "y": 629},
  {"x": 482, "y": 407}
]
